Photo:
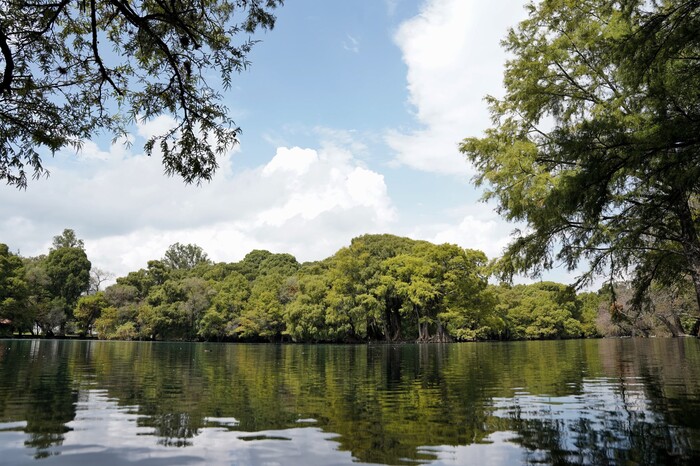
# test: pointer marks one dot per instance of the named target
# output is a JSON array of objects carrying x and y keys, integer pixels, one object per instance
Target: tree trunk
[
  {"x": 691, "y": 248},
  {"x": 670, "y": 326},
  {"x": 423, "y": 327},
  {"x": 441, "y": 336},
  {"x": 393, "y": 321}
]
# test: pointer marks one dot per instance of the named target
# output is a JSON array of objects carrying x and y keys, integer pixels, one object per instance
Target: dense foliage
[
  {"x": 379, "y": 288},
  {"x": 40, "y": 293},
  {"x": 596, "y": 144},
  {"x": 69, "y": 68}
]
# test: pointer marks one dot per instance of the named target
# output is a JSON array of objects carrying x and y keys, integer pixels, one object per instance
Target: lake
[{"x": 616, "y": 401}]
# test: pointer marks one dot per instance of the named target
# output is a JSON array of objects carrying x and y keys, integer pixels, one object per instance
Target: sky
[{"x": 351, "y": 112}]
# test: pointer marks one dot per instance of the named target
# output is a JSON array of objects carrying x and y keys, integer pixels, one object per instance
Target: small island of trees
[{"x": 379, "y": 288}]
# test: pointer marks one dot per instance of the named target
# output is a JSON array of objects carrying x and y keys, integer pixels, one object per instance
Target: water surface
[{"x": 559, "y": 402}]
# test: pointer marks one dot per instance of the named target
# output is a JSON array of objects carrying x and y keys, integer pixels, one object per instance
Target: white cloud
[
  {"x": 297, "y": 161},
  {"x": 319, "y": 182},
  {"x": 308, "y": 202},
  {"x": 454, "y": 59},
  {"x": 473, "y": 227},
  {"x": 155, "y": 126},
  {"x": 352, "y": 44}
]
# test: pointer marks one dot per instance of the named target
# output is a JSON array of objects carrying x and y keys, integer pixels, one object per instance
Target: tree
[
  {"x": 68, "y": 270},
  {"x": 541, "y": 310},
  {"x": 596, "y": 144},
  {"x": 38, "y": 283},
  {"x": 184, "y": 256},
  {"x": 67, "y": 239},
  {"x": 97, "y": 278},
  {"x": 305, "y": 316},
  {"x": 69, "y": 68},
  {"x": 88, "y": 309},
  {"x": 373, "y": 298},
  {"x": 440, "y": 284},
  {"x": 13, "y": 292}
]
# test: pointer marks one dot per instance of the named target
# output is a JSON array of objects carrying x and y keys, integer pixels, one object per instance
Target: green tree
[
  {"x": 261, "y": 262},
  {"x": 364, "y": 292},
  {"x": 70, "y": 68},
  {"x": 305, "y": 316},
  {"x": 122, "y": 308},
  {"x": 67, "y": 239},
  {"x": 595, "y": 145},
  {"x": 68, "y": 271},
  {"x": 263, "y": 314},
  {"x": 13, "y": 293},
  {"x": 87, "y": 310},
  {"x": 440, "y": 284},
  {"x": 39, "y": 301},
  {"x": 540, "y": 311},
  {"x": 221, "y": 319},
  {"x": 182, "y": 257}
]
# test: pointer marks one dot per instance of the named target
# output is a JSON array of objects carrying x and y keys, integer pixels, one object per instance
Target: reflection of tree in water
[
  {"x": 52, "y": 407},
  {"x": 174, "y": 429},
  {"x": 606, "y": 402},
  {"x": 620, "y": 440},
  {"x": 41, "y": 387},
  {"x": 644, "y": 411}
]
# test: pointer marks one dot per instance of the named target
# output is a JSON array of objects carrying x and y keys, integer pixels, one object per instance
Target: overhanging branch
[{"x": 9, "y": 63}]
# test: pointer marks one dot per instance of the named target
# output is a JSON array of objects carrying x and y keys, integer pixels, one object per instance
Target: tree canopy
[
  {"x": 13, "y": 290},
  {"x": 596, "y": 144},
  {"x": 184, "y": 256},
  {"x": 67, "y": 239},
  {"x": 378, "y": 288},
  {"x": 70, "y": 68}
]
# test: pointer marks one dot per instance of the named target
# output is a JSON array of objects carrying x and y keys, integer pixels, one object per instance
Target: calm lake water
[{"x": 560, "y": 402}]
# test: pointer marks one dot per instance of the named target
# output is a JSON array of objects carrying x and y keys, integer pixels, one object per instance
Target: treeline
[{"x": 379, "y": 288}]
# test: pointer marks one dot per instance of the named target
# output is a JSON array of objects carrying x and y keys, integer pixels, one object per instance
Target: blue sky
[{"x": 351, "y": 115}]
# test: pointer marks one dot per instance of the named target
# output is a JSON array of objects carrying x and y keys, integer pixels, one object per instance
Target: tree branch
[
  {"x": 9, "y": 63},
  {"x": 96, "y": 53},
  {"x": 143, "y": 24}
]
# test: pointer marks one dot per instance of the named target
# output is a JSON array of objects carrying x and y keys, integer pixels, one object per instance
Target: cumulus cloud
[
  {"x": 473, "y": 227},
  {"x": 454, "y": 59},
  {"x": 306, "y": 201}
]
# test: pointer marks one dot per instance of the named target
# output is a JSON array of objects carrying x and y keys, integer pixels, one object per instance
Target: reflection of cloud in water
[
  {"x": 609, "y": 420},
  {"x": 600, "y": 401},
  {"x": 497, "y": 450},
  {"x": 106, "y": 434},
  {"x": 221, "y": 421}
]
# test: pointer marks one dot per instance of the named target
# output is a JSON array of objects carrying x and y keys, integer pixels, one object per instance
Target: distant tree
[
  {"x": 222, "y": 318},
  {"x": 365, "y": 301},
  {"x": 70, "y": 68},
  {"x": 159, "y": 270},
  {"x": 596, "y": 144},
  {"x": 87, "y": 310},
  {"x": 67, "y": 239},
  {"x": 97, "y": 278},
  {"x": 184, "y": 256},
  {"x": 540, "y": 311},
  {"x": 306, "y": 316},
  {"x": 68, "y": 271},
  {"x": 13, "y": 293},
  {"x": 665, "y": 311},
  {"x": 250, "y": 265},
  {"x": 122, "y": 307},
  {"x": 39, "y": 301}
]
